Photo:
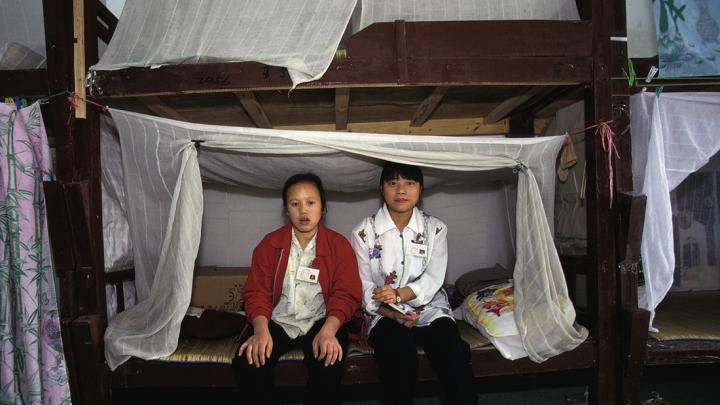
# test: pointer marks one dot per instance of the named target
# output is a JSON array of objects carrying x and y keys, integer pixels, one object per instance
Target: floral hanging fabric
[
  {"x": 688, "y": 37},
  {"x": 32, "y": 363}
]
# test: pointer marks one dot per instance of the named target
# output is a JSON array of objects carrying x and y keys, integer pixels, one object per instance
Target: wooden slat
[
  {"x": 87, "y": 343},
  {"x": 24, "y": 82},
  {"x": 454, "y": 53},
  {"x": 253, "y": 108},
  {"x": 157, "y": 106},
  {"x": 342, "y": 102},
  {"x": 561, "y": 100},
  {"x": 458, "y": 126},
  {"x": 79, "y": 57},
  {"x": 505, "y": 108},
  {"x": 428, "y": 106},
  {"x": 77, "y": 196}
]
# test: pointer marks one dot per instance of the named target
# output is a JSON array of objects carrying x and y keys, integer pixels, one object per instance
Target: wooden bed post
[
  {"x": 601, "y": 220},
  {"x": 83, "y": 308},
  {"x": 57, "y": 17}
]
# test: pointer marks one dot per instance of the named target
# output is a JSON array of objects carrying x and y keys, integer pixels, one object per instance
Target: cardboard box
[{"x": 219, "y": 288}]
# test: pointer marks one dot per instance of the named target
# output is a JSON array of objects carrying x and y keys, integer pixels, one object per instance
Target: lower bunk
[
  {"x": 207, "y": 363},
  {"x": 688, "y": 325}
]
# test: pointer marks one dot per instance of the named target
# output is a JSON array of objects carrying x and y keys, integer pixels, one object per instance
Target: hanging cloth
[{"x": 32, "y": 363}]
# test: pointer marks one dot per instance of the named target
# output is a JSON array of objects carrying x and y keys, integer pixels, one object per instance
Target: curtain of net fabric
[
  {"x": 164, "y": 184},
  {"x": 673, "y": 135},
  {"x": 301, "y": 36}
]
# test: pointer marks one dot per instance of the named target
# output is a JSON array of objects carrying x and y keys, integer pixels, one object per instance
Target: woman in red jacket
[{"x": 302, "y": 288}]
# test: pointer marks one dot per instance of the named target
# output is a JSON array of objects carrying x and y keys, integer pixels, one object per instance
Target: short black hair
[
  {"x": 393, "y": 171},
  {"x": 304, "y": 178}
]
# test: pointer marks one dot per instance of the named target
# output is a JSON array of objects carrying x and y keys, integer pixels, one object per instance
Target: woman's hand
[
  {"x": 258, "y": 347},
  {"x": 385, "y": 294},
  {"x": 407, "y": 319},
  {"x": 326, "y": 347}
]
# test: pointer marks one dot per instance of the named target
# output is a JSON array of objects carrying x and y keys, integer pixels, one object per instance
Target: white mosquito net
[
  {"x": 22, "y": 34},
  {"x": 301, "y": 35},
  {"x": 673, "y": 135},
  {"x": 164, "y": 176}
]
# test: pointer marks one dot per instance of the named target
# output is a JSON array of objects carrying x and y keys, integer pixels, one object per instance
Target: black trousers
[
  {"x": 396, "y": 356},
  {"x": 323, "y": 385}
]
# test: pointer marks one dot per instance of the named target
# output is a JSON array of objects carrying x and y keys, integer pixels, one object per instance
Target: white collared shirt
[
  {"x": 384, "y": 257},
  {"x": 301, "y": 303}
]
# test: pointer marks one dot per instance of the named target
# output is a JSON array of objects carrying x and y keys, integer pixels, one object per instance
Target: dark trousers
[
  {"x": 396, "y": 356},
  {"x": 323, "y": 385}
]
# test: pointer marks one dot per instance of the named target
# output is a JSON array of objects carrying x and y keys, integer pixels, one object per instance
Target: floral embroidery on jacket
[
  {"x": 438, "y": 229},
  {"x": 375, "y": 252},
  {"x": 362, "y": 235},
  {"x": 391, "y": 278}
]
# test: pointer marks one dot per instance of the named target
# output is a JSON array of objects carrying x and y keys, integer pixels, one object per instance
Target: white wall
[{"x": 236, "y": 218}]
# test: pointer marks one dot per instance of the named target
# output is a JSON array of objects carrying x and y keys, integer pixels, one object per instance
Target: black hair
[
  {"x": 393, "y": 171},
  {"x": 305, "y": 178}
]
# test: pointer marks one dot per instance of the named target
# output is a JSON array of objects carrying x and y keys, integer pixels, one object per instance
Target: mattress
[
  {"x": 688, "y": 316},
  {"x": 223, "y": 350}
]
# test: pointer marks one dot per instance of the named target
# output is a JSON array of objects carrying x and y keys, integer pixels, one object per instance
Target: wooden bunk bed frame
[
  {"x": 578, "y": 57},
  {"x": 55, "y": 79}
]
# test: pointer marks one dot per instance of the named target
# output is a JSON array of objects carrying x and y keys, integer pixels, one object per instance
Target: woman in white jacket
[{"x": 402, "y": 259}]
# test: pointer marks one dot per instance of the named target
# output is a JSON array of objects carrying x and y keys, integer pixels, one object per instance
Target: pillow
[
  {"x": 475, "y": 280},
  {"x": 490, "y": 311},
  {"x": 211, "y": 324}
]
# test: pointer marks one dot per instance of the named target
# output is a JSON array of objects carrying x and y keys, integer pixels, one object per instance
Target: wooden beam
[
  {"x": 79, "y": 57},
  {"x": 428, "y": 106},
  {"x": 457, "y": 126},
  {"x": 506, "y": 108},
  {"x": 452, "y": 53},
  {"x": 24, "y": 82},
  {"x": 158, "y": 107},
  {"x": 342, "y": 102},
  {"x": 253, "y": 108},
  {"x": 561, "y": 101}
]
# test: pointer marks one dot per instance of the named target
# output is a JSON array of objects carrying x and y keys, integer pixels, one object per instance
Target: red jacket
[{"x": 334, "y": 257}]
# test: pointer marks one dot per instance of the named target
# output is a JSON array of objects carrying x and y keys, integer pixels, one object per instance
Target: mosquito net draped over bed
[
  {"x": 301, "y": 35},
  {"x": 164, "y": 184},
  {"x": 673, "y": 135}
]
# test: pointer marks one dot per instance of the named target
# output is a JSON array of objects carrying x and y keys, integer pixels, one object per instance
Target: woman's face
[
  {"x": 304, "y": 207},
  {"x": 401, "y": 194}
]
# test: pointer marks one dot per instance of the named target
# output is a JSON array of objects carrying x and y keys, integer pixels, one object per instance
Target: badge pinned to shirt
[
  {"x": 308, "y": 274},
  {"x": 418, "y": 249}
]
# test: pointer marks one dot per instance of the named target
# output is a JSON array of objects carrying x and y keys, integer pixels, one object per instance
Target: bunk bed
[
  {"x": 509, "y": 72},
  {"x": 668, "y": 331},
  {"x": 671, "y": 145},
  {"x": 36, "y": 56}
]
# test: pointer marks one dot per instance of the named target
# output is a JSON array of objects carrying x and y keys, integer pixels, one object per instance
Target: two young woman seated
[{"x": 307, "y": 281}]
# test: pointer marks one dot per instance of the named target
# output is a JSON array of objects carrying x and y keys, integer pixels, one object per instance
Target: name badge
[
  {"x": 307, "y": 274},
  {"x": 417, "y": 249}
]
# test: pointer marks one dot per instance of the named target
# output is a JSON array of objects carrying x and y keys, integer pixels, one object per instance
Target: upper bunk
[
  {"x": 384, "y": 72},
  {"x": 34, "y": 43},
  {"x": 23, "y": 69}
]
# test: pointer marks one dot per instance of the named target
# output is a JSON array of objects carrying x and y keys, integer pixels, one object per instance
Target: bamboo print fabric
[{"x": 32, "y": 364}]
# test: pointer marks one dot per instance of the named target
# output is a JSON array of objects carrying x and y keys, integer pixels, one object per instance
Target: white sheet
[
  {"x": 163, "y": 180},
  {"x": 372, "y": 11},
  {"x": 673, "y": 135}
]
